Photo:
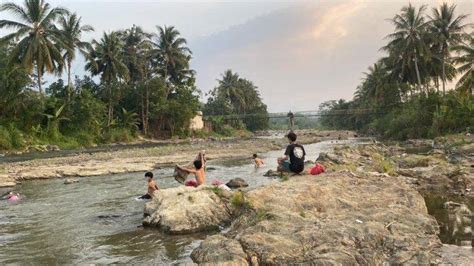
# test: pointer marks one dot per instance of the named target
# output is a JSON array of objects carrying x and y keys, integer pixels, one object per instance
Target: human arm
[{"x": 191, "y": 171}]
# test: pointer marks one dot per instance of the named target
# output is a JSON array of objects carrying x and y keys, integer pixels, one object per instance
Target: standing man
[{"x": 294, "y": 156}]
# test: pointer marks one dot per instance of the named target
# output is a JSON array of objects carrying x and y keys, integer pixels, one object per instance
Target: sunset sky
[{"x": 299, "y": 53}]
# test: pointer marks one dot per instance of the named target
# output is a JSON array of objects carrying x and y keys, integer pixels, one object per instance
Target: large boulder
[
  {"x": 237, "y": 183},
  {"x": 184, "y": 210},
  {"x": 219, "y": 250},
  {"x": 336, "y": 219}
]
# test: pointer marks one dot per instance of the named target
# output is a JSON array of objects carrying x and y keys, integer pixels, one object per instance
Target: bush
[
  {"x": 16, "y": 137},
  {"x": 5, "y": 139},
  {"x": 117, "y": 135}
]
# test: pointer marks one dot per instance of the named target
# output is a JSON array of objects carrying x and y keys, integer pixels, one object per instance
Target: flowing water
[{"x": 98, "y": 219}]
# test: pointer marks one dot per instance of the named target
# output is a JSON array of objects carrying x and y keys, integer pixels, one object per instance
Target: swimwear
[
  {"x": 191, "y": 183},
  {"x": 146, "y": 196}
]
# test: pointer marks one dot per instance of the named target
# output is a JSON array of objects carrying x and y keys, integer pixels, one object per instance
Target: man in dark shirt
[{"x": 294, "y": 156}]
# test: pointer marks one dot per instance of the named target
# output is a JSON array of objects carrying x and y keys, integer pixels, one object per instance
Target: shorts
[
  {"x": 146, "y": 196},
  {"x": 191, "y": 183},
  {"x": 286, "y": 164}
]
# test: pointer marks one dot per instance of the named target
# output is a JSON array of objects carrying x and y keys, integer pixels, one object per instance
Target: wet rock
[
  {"x": 337, "y": 219},
  {"x": 183, "y": 210},
  {"x": 272, "y": 173},
  {"x": 218, "y": 250},
  {"x": 237, "y": 183},
  {"x": 52, "y": 148},
  {"x": 70, "y": 181}
]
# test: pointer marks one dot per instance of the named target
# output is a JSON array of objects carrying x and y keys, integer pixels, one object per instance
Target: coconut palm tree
[
  {"x": 447, "y": 30},
  {"x": 408, "y": 40},
  {"x": 172, "y": 53},
  {"x": 39, "y": 41},
  {"x": 137, "y": 57},
  {"x": 106, "y": 60},
  {"x": 71, "y": 30},
  {"x": 465, "y": 60}
]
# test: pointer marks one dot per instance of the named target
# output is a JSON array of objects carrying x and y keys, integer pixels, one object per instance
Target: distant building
[{"x": 197, "y": 123}]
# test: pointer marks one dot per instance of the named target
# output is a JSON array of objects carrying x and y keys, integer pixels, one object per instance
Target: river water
[{"x": 98, "y": 219}]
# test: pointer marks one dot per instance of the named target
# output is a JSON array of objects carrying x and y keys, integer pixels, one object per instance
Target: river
[{"x": 98, "y": 219}]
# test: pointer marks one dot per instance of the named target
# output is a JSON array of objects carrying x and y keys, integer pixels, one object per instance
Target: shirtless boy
[
  {"x": 258, "y": 162},
  {"x": 198, "y": 171},
  {"x": 152, "y": 187}
]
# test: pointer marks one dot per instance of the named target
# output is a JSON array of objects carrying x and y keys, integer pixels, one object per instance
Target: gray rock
[
  {"x": 333, "y": 220},
  {"x": 70, "y": 181},
  {"x": 272, "y": 173},
  {"x": 184, "y": 210},
  {"x": 219, "y": 250},
  {"x": 237, "y": 183}
]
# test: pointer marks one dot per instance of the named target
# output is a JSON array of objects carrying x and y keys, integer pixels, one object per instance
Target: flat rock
[
  {"x": 184, "y": 210},
  {"x": 237, "y": 183},
  {"x": 336, "y": 219},
  {"x": 219, "y": 250}
]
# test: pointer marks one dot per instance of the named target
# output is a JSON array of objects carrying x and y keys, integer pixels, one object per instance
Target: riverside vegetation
[
  {"x": 145, "y": 84},
  {"x": 403, "y": 95}
]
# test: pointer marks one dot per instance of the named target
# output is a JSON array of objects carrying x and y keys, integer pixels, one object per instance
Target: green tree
[
  {"x": 447, "y": 30},
  {"x": 106, "y": 60},
  {"x": 40, "y": 41},
  {"x": 408, "y": 40},
  {"x": 172, "y": 56},
  {"x": 465, "y": 60},
  {"x": 138, "y": 58},
  {"x": 71, "y": 30}
]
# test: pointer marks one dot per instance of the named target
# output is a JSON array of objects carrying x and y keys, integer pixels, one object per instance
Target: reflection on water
[
  {"x": 98, "y": 219},
  {"x": 454, "y": 218}
]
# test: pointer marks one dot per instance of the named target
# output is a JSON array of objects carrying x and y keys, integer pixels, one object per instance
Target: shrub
[{"x": 5, "y": 139}]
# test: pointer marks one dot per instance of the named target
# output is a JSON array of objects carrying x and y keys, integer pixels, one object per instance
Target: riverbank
[
  {"x": 139, "y": 159},
  {"x": 365, "y": 210}
]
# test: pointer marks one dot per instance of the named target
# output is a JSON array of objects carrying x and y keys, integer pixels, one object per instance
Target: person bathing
[
  {"x": 152, "y": 187},
  {"x": 293, "y": 161},
  {"x": 198, "y": 171},
  {"x": 258, "y": 162}
]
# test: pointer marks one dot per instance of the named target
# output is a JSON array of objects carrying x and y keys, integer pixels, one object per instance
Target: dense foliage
[
  {"x": 139, "y": 82},
  {"x": 400, "y": 96},
  {"x": 236, "y": 103}
]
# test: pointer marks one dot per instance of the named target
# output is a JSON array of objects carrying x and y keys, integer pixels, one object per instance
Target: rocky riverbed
[
  {"x": 367, "y": 208},
  {"x": 144, "y": 159}
]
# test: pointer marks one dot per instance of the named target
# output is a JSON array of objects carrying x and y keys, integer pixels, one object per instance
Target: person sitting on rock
[
  {"x": 152, "y": 187},
  {"x": 258, "y": 162},
  {"x": 198, "y": 171},
  {"x": 293, "y": 161}
]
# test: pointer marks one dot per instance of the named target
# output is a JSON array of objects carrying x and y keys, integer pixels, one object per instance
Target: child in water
[
  {"x": 12, "y": 197},
  {"x": 258, "y": 162},
  {"x": 152, "y": 187}
]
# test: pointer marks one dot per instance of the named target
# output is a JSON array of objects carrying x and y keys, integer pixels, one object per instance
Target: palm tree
[
  {"x": 447, "y": 30},
  {"x": 106, "y": 60},
  {"x": 465, "y": 60},
  {"x": 71, "y": 30},
  {"x": 138, "y": 54},
  {"x": 408, "y": 41},
  {"x": 40, "y": 41},
  {"x": 173, "y": 55}
]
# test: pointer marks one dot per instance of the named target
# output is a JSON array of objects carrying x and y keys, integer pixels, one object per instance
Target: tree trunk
[
  {"x": 69, "y": 82},
  {"x": 147, "y": 108},
  {"x": 40, "y": 87},
  {"x": 111, "y": 109},
  {"x": 143, "y": 113},
  {"x": 444, "y": 73},
  {"x": 418, "y": 78}
]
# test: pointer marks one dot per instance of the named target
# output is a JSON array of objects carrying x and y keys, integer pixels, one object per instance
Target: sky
[{"x": 298, "y": 53}]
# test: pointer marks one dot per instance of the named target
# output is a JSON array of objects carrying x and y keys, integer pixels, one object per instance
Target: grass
[{"x": 238, "y": 201}]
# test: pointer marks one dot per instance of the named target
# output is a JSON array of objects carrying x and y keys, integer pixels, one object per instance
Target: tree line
[
  {"x": 145, "y": 83},
  {"x": 403, "y": 95}
]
